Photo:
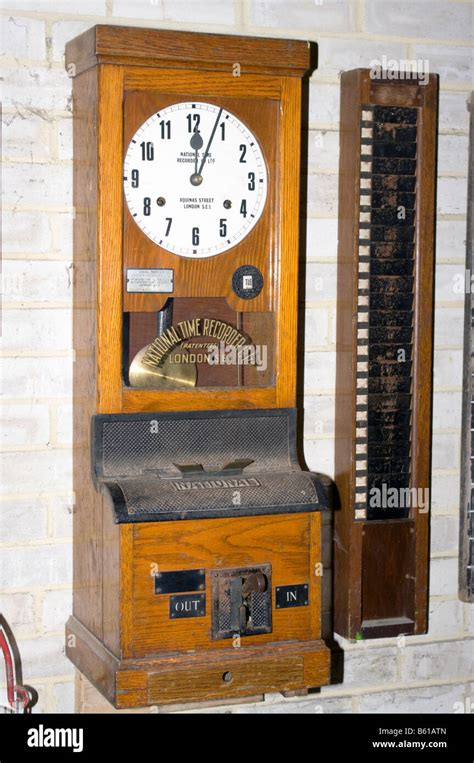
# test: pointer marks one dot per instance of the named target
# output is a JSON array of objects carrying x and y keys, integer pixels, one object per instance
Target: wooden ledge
[{"x": 134, "y": 46}]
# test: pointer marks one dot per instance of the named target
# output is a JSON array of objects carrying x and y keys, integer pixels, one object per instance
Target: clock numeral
[
  {"x": 195, "y": 236},
  {"x": 196, "y": 118},
  {"x": 222, "y": 126},
  {"x": 169, "y": 220},
  {"x": 251, "y": 185},
  {"x": 148, "y": 151},
  {"x": 243, "y": 151},
  {"x": 135, "y": 178},
  {"x": 243, "y": 208},
  {"x": 165, "y": 128},
  {"x": 147, "y": 206},
  {"x": 223, "y": 227}
]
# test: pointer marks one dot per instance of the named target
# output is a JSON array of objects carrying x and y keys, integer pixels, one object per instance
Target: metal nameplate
[
  {"x": 179, "y": 581},
  {"x": 291, "y": 596},
  {"x": 150, "y": 280},
  {"x": 216, "y": 484},
  {"x": 188, "y": 605}
]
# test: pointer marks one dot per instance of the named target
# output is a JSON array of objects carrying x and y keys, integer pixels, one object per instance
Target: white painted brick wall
[
  {"x": 23, "y": 520},
  {"x": 361, "y": 665},
  {"x": 433, "y": 699},
  {"x": 446, "y": 617},
  {"x": 330, "y": 16},
  {"x": 23, "y": 37},
  {"x": 55, "y": 603},
  {"x": 447, "y": 368},
  {"x": 453, "y": 64},
  {"x": 323, "y": 104},
  {"x": 35, "y": 565},
  {"x": 429, "y": 673},
  {"x": 26, "y": 424},
  {"x": 451, "y": 660},
  {"x": 321, "y": 240},
  {"x": 44, "y": 330},
  {"x": 17, "y": 608},
  {"x": 444, "y": 577},
  {"x": 320, "y": 371},
  {"x": 28, "y": 232},
  {"x": 36, "y": 90},
  {"x": 36, "y": 377},
  {"x": 450, "y": 240},
  {"x": 419, "y": 18},
  {"x": 40, "y": 470}
]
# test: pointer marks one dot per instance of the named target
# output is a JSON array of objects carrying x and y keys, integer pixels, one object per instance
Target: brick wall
[{"x": 418, "y": 674}]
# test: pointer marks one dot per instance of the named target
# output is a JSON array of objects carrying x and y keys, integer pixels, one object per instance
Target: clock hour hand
[
  {"x": 196, "y": 177},
  {"x": 196, "y": 144}
]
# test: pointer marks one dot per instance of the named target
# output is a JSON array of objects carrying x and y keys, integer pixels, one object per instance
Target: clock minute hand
[{"x": 210, "y": 141}]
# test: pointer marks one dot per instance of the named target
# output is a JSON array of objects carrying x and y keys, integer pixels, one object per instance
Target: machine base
[{"x": 201, "y": 676}]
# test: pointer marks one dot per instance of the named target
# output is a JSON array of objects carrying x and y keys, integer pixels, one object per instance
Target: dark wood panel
[{"x": 388, "y": 567}]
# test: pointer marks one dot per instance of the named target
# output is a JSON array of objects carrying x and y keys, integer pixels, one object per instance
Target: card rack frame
[{"x": 381, "y": 562}]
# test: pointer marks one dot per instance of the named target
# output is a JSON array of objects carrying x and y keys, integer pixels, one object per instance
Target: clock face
[{"x": 195, "y": 179}]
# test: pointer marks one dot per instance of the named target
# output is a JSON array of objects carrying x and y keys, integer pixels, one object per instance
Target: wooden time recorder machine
[{"x": 197, "y": 559}]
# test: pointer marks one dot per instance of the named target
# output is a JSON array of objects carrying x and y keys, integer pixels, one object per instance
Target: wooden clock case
[{"x": 120, "y": 636}]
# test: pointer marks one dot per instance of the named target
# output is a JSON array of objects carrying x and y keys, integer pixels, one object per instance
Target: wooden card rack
[{"x": 384, "y": 362}]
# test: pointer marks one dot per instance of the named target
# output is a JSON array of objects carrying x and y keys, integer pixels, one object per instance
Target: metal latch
[{"x": 241, "y": 601}]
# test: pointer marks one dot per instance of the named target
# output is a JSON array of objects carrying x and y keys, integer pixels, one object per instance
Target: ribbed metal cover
[
  {"x": 231, "y": 494},
  {"x": 168, "y": 466},
  {"x": 132, "y": 446}
]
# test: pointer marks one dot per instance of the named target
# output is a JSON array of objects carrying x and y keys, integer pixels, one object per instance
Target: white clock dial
[{"x": 195, "y": 179}]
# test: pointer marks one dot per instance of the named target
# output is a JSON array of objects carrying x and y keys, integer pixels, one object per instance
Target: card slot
[
  {"x": 395, "y": 182},
  {"x": 389, "y": 418},
  {"x": 381, "y": 166},
  {"x": 390, "y": 233},
  {"x": 387, "y": 433},
  {"x": 390, "y": 199},
  {"x": 391, "y": 302},
  {"x": 389, "y": 465},
  {"x": 389, "y": 370},
  {"x": 392, "y": 250},
  {"x": 392, "y": 132},
  {"x": 390, "y": 284},
  {"x": 379, "y": 404},
  {"x": 391, "y": 335},
  {"x": 388, "y": 318},
  {"x": 390, "y": 385},
  {"x": 395, "y": 115},
  {"x": 393, "y": 149},
  {"x": 384, "y": 353},
  {"x": 398, "y": 267},
  {"x": 391, "y": 217}
]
